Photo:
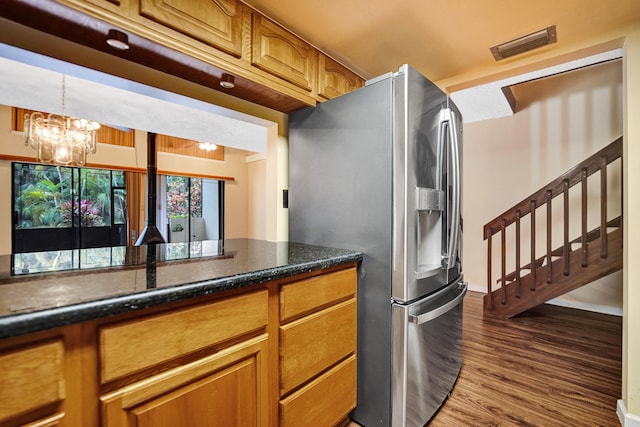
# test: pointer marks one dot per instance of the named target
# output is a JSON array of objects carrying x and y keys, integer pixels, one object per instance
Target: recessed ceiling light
[
  {"x": 226, "y": 81},
  {"x": 118, "y": 40}
]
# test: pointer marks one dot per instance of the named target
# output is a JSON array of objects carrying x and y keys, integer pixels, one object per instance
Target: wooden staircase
[{"x": 575, "y": 262}]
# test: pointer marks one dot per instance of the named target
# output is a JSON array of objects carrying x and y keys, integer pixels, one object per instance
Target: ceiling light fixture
[
  {"x": 525, "y": 43},
  {"x": 226, "y": 81},
  {"x": 207, "y": 146},
  {"x": 118, "y": 40},
  {"x": 61, "y": 140}
]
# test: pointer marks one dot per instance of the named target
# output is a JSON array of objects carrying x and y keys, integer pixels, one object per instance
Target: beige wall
[
  {"x": 257, "y": 171},
  {"x": 631, "y": 322},
  {"x": 561, "y": 121}
]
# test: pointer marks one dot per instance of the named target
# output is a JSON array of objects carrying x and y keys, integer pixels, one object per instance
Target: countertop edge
[{"x": 24, "y": 323}]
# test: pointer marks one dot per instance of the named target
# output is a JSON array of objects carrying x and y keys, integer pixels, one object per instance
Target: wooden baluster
[
  {"x": 583, "y": 239},
  {"x": 489, "y": 257},
  {"x": 503, "y": 224},
  {"x": 518, "y": 253},
  {"x": 533, "y": 245},
  {"x": 565, "y": 225},
  {"x": 549, "y": 272},
  {"x": 603, "y": 207}
]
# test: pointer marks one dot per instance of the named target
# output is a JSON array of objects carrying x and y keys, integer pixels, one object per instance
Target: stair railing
[{"x": 543, "y": 199}]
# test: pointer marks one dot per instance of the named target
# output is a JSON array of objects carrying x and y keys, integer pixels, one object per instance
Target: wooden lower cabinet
[
  {"x": 317, "y": 349},
  {"x": 225, "y": 389},
  {"x": 282, "y": 353}
]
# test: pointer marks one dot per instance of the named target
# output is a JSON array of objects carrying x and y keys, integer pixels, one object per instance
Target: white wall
[{"x": 560, "y": 121}]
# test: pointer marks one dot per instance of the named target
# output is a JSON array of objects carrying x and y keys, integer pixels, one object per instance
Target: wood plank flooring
[{"x": 549, "y": 366}]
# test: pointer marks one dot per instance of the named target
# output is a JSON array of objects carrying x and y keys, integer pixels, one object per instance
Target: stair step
[
  {"x": 560, "y": 284},
  {"x": 574, "y": 244},
  {"x": 595, "y": 233}
]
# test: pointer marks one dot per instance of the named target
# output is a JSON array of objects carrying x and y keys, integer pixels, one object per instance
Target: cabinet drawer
[
  {"x": 323, "y": 402},
  {"x": 307, "y": 295},
  {"x": 314, "y": 343},
  {"x": 133, "y": 345},
  {"x": 32, "y": 377}
]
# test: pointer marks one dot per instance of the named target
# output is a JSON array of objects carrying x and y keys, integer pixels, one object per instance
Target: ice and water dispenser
[{"x": 430, "y": 209}]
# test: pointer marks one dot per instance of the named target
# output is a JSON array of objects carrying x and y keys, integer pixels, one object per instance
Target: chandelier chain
[{"x": 63, "y": 92}]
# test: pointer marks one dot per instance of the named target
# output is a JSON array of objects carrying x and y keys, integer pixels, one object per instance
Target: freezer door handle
[
  {"x": 454, "y": 232},
  {"x": 430, "y": 315}
]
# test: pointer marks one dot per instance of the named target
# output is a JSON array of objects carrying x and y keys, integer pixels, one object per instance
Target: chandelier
[{"x": 61, "y": 140}]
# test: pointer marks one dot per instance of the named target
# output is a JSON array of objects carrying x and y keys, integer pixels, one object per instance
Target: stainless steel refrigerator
[{"x": 379, "y": 170}]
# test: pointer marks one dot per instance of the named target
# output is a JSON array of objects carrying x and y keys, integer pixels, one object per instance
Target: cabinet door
[
  {"x": 282, "y": 54},
  {"x": 32, "y": 382},
  {"x": 228, "y": 388},
  {"x": 215, "y": 22},
  {"x": 334, "y": 79}
]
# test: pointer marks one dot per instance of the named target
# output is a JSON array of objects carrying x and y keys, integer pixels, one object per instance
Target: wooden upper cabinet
[
  {"x": 119, "y": 7},
  {"x": 334, "y": 79},
  {"x": 215, "y": 22},
  {"x": 282, "y": 54}
]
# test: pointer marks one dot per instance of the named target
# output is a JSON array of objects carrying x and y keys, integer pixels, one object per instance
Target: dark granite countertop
[{"x": 51, "y": 289}]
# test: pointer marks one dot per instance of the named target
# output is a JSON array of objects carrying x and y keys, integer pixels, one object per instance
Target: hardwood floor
[{"x": 549, "y": 366}]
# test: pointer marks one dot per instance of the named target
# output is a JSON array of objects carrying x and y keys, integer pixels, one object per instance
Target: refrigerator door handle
[
  {"x": 430, "y": 315},
  {"x": 454, "y": 233}
]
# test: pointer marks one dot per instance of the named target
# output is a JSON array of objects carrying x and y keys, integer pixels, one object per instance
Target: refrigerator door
[
  {"x": 426, "y": 187},
  {"x": 427, "y": 354}
]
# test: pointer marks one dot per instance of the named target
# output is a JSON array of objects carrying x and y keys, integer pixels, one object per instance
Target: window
[
  {"x": 59, "y": 207},
  {"x": 191, "y": 209}
]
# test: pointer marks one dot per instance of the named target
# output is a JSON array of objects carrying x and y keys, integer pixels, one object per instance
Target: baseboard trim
[{"x": 626, "y": 419}]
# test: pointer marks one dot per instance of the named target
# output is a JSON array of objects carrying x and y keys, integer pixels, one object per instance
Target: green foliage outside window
[
  {"x": 184, "y": 197},
  {"x": 54, "y": 196}
]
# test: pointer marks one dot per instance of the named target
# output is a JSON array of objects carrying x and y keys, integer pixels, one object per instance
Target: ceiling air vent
[{"x": 525, "y": 43}]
